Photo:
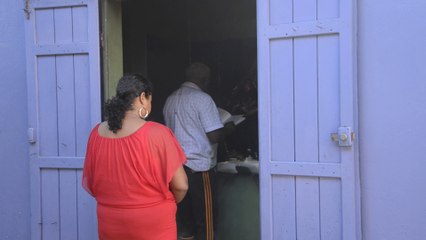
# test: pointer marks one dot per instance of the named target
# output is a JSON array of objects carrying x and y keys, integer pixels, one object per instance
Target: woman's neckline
[{"x": 123, "y": 137}]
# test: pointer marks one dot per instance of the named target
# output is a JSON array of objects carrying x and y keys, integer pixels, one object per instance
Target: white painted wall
[
  {"x": 392, "y": 104},
  {"x": 14, "y": 166}
]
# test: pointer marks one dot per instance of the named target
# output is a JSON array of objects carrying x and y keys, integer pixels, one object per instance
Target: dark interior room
[{"x": 160, "y": 40}]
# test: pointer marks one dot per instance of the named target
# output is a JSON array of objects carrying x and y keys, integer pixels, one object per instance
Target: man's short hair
[{"x": 197, "y": 71}]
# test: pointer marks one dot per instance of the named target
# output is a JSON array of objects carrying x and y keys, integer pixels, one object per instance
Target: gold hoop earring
[{"x": 140, "y": 113}]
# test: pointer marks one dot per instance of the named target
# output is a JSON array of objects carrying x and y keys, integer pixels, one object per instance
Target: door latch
[
  {"x": 31, "y": 135},
  {"x": 344, "y": 136}
]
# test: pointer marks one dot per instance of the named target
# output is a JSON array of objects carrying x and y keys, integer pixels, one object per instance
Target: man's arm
[{"x": 219, "y": 135}]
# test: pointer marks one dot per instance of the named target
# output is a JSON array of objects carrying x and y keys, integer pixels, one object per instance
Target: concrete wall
[
  {"x": 392, "y": 103},
  {"x": 14, "y": 166}
]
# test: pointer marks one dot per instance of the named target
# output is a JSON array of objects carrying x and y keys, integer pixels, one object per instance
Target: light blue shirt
[{"x": 191, "y": 113}]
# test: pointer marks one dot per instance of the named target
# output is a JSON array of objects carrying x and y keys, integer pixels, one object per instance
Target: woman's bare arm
[{"x": 179, "y": 184}]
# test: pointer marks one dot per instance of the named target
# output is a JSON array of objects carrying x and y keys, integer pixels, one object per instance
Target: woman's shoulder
[
  {"x": 99, "y": 128},
  {"x": 157, "y": 128},
  {"x": 156, "y": 132},
  {"x": 93, "y": 134},
  {"x": 95, "y": 129}
]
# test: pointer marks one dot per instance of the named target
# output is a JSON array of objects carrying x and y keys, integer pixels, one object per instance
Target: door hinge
[{"x": 27, "y": 9}]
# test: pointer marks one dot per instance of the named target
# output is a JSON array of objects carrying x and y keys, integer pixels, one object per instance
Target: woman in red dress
[{"x": 133, "y": 168}]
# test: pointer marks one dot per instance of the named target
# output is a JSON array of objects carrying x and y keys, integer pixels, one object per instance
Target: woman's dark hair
[{"x": 129, "y": 87}]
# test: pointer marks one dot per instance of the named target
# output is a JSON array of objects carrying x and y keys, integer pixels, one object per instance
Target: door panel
[
  {"x": 330, "y": 208},
  {"x": 309, "y": 183},
  {"x": 64, "y": 104},
  {"x": 47, "y": 103},
  {"x": 66, "y": 110},
  {"x": 305, "y": 99},
  {"x": 69, "y": 202},
  {"x": 49, "y": 189},
  {"x": 328, "y": 97},
  {"x": 283, "y": 207},
  {"x": 82, "y": 97},
  {"x": 282, "y": 96}
]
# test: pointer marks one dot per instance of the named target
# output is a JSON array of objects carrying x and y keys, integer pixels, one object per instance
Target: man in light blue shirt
[{"x": 193, "y": 117}]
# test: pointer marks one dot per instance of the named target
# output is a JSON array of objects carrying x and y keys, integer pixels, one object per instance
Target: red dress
[{"x": 129, "y": 177}]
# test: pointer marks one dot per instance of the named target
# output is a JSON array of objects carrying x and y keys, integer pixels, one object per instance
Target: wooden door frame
[{"x": 112, "y": 45}]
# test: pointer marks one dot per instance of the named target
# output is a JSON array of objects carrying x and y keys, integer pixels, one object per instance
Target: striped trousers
[{"x": 197, "y": 212}]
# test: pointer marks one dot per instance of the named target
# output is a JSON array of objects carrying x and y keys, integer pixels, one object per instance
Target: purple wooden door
[
  {"x": 64, "y": 104},
  {"x": 308, "y": 181}
]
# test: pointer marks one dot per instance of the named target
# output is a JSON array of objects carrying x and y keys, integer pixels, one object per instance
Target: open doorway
[{"x": 160, "y": 39}]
